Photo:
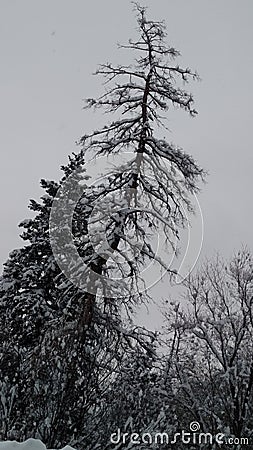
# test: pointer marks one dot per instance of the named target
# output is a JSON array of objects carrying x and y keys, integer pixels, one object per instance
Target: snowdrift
[{"x": 30, "y": 444}]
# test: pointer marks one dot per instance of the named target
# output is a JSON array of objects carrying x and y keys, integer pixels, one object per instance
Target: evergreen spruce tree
[{"x": 54, "y": 371}]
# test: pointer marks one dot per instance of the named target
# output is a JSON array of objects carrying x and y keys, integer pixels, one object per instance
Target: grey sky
[{"x": 49, "y": 50}]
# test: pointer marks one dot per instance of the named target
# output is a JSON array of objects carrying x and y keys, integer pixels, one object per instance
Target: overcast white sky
[{"x": 49, "y": 50}]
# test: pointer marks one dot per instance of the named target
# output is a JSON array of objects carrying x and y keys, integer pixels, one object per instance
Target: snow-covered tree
[
  {"x": 211, "y": 348},
  {"x": 64, "y": 334},
  {"x": 137, "y": 402},
  {"x": 151, "y": 190},
  {"x": 54, "y": 369}
]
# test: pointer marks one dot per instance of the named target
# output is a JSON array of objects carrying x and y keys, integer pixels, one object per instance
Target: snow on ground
[{"x": 30, "y": 444}]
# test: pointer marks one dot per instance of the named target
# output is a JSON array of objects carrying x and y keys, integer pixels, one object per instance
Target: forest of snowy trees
[{"x": 75, "y": 368}]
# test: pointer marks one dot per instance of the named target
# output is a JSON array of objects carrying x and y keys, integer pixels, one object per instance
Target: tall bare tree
[
  {"x": 64, "y": 342},
  {"x": 152, "y": 190}
]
